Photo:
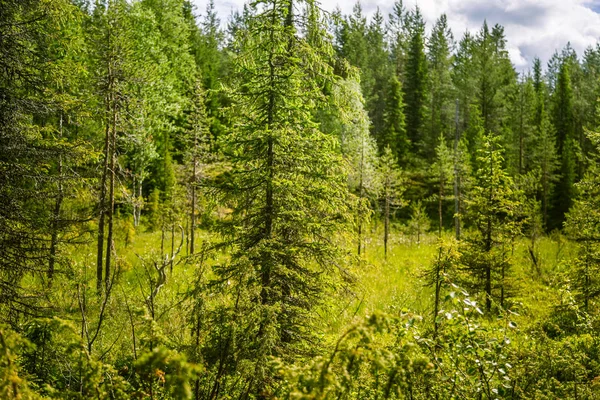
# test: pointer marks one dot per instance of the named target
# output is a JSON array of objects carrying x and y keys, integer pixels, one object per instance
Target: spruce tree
[
  {"x": 563, "y": 120},
  {"x": 397, "y": 38},
  {"x": 379, "y": 66},
  {"x": 494, "y": 211},
  {"x": 394, "y": 131},
  {"x": 583, "y": 225},
  {"x": 415, "y": 85},
  {"x": 36, "y": 101},
  {"x": 441, "y": 109},
  {"x": 442, "y": 173},
  {"x": 289, "y": 196},
  {"x": 391, "y": 191}
]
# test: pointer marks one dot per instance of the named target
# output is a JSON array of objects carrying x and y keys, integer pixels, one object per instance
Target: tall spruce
[
  {"x": 583, "y": 225},
  {"x": 441, "y": 110},
  {"x": 394, "y": 130},
  {"x": 494, "y": 210},
  {"x": 415, "y": 84},
  {"x": 289, "y": 196},
  {"x": 563, "y": 120}
]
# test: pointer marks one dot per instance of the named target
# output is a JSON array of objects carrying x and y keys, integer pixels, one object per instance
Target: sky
[{"x": 532, "y": 27}]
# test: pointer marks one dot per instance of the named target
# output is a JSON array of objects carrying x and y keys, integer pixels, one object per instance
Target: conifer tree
[
  {"x": 583, "y": 225},
  {"x": 397, "y": 38},
  {"x": 394, "y": 131},
  {"x": 441, "y": 109},
  {"x": 442, "y": 171},
  {"x": 34, "y": 147},
  {"x": 198, "y": 154},
  {"x": 288, "y": 194},
  {"x": 379, "y": 66},
  {"x": 494, "y": 211},
  {"x": 416, "y": 80},
  {"x": 563, "y": 120},
  {"x": 391, "y": 190},
  {"x": 494, "y": 76},
  {"x": 419, "y": 222},
  {"x": 464, "y": 78},
  {"x": 113, "y": 49},
  {"x": 544, "y": 160}
]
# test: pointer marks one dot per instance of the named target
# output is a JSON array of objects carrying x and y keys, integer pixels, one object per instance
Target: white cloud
[{"x": 532, "y": 27}]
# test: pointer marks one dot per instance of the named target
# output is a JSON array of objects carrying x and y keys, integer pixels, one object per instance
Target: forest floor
[{"x": 393, "y": 284}]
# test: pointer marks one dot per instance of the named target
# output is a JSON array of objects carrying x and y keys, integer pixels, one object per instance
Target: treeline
[{"x": 257, "y": 157}]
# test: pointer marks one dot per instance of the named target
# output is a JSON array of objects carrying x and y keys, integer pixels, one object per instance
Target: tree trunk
[
  {"x": 386, "y": 228},
  {"x": 102, "y": 202},
  {"x": 456, "y": 178},
  {"x": 111, "y": 198},
  {"x": 193, "y": 210},
  {"x": 56, "y": 213}
]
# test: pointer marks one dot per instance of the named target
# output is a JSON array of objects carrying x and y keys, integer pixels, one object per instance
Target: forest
[{"x": 289, "y": 203}]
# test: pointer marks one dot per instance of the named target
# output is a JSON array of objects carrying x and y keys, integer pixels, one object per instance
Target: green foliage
[
  {"x": 419, "y": 221},
  {"x": 394, "y": 131},
  {"x": 260, "y": 145},
  {"x": 494, "y": 209},
  {"x": 165, "y": 373},
  {"x": 563, "y": 120},
  {"x": 583, "y": 225},
  {"x": 288, "y": 193},
  {"x": 415, "y": 83}
]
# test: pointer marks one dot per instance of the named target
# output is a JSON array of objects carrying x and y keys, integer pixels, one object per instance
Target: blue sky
[{"x": 532, "y": 27}]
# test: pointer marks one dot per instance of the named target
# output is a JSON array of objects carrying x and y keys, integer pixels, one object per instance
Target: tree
[
  {"x": 112, "y": 46},
  {"x": 439, "y": 56},
  {"x": 415, "y": 92},
  {"x": 442, "y": 171},
  {"x": 380, "y": 68},
  {"x": 199, "y": 142},
  {"x": 583, "y": 225},
  {"x": 391, "y": 190},
  {"x": 394, "y": 131},
  {"x": 289, "y": 196},
  {"x": 397, "y": 38},
  {"x": 493, "y": 209},
  {"x": 419, "y": 221},
  {"x": 33, "y": 182},
  {"x": 360, "y": 151},
  {"x": 545, "y": 161},
  {"x": 494, "y": 76},
  {"x": 563, "y": 120}
]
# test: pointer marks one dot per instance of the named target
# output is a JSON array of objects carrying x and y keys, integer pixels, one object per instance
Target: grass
[{"x": 390, "y": 284}]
